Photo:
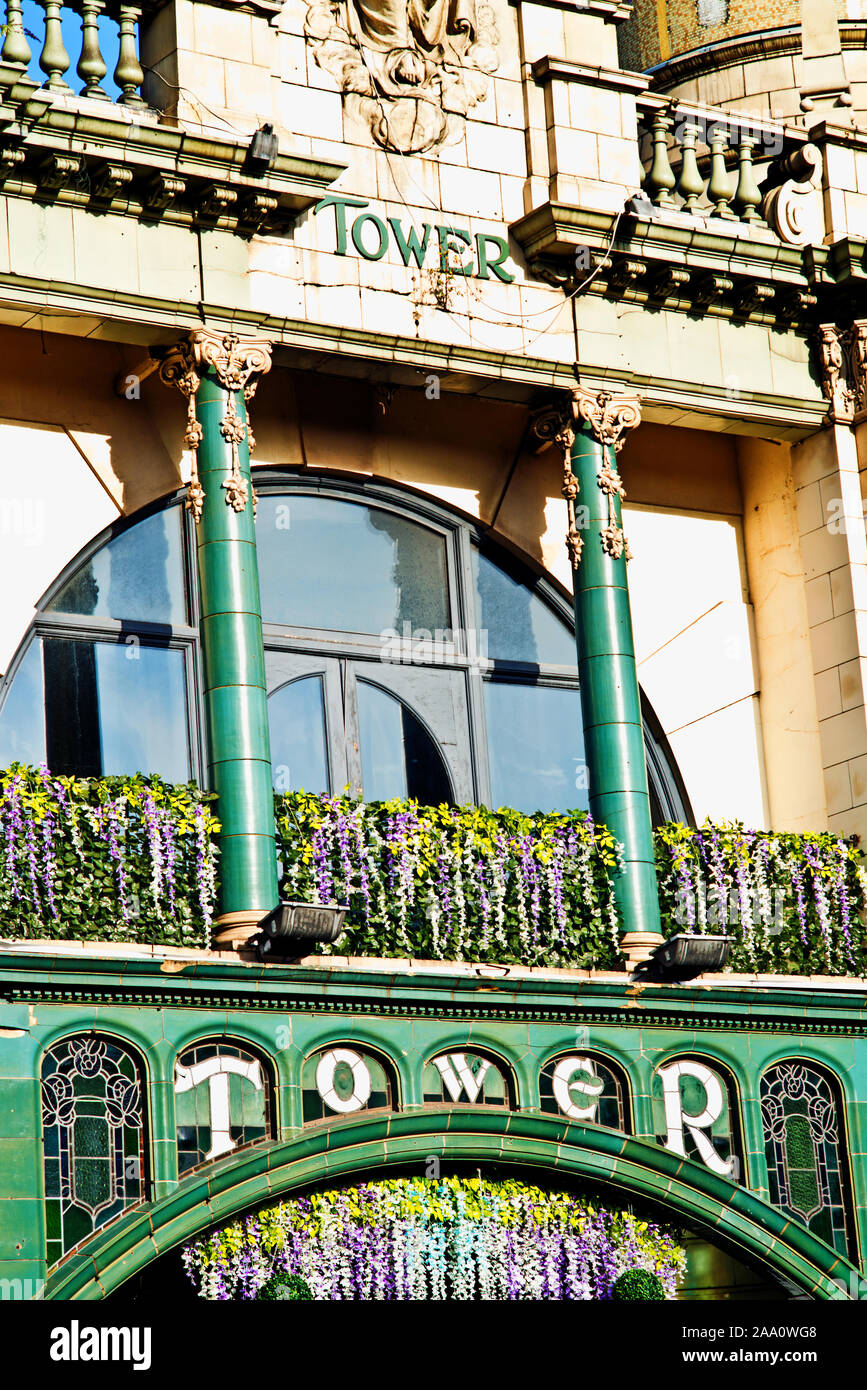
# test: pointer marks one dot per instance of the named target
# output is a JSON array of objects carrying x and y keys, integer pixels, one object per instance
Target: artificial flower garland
[
  {"x": 424, "y": 1238},
  {"x": 454, "y": 882},
  {"x": 111, "y": 858}
]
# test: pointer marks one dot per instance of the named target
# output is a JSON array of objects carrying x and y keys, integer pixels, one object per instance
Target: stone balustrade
[{"x": 91, "y": 68}]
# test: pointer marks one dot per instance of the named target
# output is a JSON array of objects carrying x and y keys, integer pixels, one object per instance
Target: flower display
[
  {"x": 424, "y": 1238},
  {"x": 454, "y": 882},
  {"x": 793, "y": 903},
  {"x": 111, "y": 858}
]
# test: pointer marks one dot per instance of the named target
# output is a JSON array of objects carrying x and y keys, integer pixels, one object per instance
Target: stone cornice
[
  {"x": 746, "y": 48},
  {"x": 681, "y": 261},
  {"x": 387, "y": 988},
  {"x": 68, "y": 152},
  {"x": 550, "y": 69},
  {"x": 613, "y": 11}
]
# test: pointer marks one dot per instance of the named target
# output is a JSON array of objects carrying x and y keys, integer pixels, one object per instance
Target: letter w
[
  {"x": 458, "y": 1078},
  {"x": 410, "y": 243}
]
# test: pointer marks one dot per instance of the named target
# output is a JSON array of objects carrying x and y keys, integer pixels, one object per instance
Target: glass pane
[
  {"x": 536, "y": 747},
  {"x": 22, "y": 720},
  {"x": 326, "y": 563},
  {"x": 112, "y": 709},
  {"x": 516, "y": 624},
  {"x": 138, "y": 576},
  {"x": 296, "y": 715},
  {"x": 398, "y": 756}
]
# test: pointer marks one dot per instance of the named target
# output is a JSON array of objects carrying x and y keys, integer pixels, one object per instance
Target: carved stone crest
[
  {"x": 843, "y": 366},
  {"x": 409, "y": 69}
]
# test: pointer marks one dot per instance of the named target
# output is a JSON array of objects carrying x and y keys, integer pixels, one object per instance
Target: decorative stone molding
[
  {"x": 843, "y": 366},
  {"x": 110, "y": 181},
  {"x": 793, "y": 209},
  {"x": 238, "y": 363},
  {"x": 408, "y": 73},
  {"x": 608, "y": 417}
]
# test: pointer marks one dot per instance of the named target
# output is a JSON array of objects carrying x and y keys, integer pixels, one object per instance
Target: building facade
[{"x": 549, "y": 318}]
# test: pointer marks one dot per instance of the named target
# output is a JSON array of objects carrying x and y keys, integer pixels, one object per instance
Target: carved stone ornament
[
  {"x": 843, "y": 365},
  {"x": 609, "y": 417},
  {"x": 238, "y": 363},
  {"x": 409, "y": 69},
  {"x": 794, "y": 207}
]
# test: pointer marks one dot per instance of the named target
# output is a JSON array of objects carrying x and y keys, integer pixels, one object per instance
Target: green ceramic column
[
  {"x": 215, "y": 372},
  {"x": 610, "y": 701}
]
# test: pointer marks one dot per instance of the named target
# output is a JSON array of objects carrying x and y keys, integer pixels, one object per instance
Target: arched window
[
  {"x": 406, "y": 655},
  {"x": 223, "y": 1101},
  {"x": 695, "y": 1114},
  {"x": 585, "y": 1087},
  {"x": 805, "y": 1151},
  {"x": 465, "y": 1078},
  {"x": 343, "y": 1079},
  {"x": 93, "y": 1136}
]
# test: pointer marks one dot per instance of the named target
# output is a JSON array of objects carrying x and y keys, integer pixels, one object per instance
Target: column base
[
  {"x": 232, "y": 930},
  {"x": 638, "y": 946}
]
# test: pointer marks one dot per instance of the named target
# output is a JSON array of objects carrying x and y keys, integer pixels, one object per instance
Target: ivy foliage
[
  {"x": 454, "y": 882},
  {"x": 105, "y": 859},
  {"x": 792, "y": 903}
]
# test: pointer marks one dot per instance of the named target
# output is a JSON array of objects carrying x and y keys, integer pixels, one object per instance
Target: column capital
[
  {"x": 607, "y": 414},
  {"x": 238, "y": 362}
]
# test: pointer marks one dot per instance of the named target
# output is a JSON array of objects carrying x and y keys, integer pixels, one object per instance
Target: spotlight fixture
[
  {"x": 290, "y": 927},
  {"x": 263, "y": 150},
  {"x": 682, "y": 957}
]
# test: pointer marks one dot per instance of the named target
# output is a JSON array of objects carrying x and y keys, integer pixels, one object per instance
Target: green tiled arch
[{"x": 349, "y": 1149}]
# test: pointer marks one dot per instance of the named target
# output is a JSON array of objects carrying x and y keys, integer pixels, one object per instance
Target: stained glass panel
[
  {"x": 583, "y": 1088},
  {"x": 694, "y": 1116},
  {"x": 341, "y": 1081},
  {"x": 93, "y": 1126},
  {"x": 804, "y": 1150},
  {"x": 464, "y": 1078},
  {"x": 222, "y": 1102}
]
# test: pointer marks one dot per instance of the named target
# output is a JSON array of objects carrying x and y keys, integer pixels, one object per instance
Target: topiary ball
[
  {"x": 638, "y": 1285},
  {"x": 282, "y": 1285}
]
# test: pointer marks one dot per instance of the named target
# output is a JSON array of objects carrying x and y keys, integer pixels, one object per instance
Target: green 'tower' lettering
[
  {"x": 447, "y": 246},
  {"x": 495, "y": 265},
  {"x": 382, "y": 233},
  {"x": 410, "y": 245}
]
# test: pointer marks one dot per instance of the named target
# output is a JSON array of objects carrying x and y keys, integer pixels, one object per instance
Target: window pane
[
  {"x": 138, "y": 576},
  {"x": 22, "y": 719},
  {"x": 398, "y": 755},
  {"x": 536, "y": 747},
  {"x": 326, "y": 563},
  {"x": 112, "y": 709},
  {"x": 296, "y": 715},
  {"x": 519, "y": 626}
]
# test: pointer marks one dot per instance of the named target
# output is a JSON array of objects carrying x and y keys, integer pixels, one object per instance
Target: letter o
[
  {"x": 382, "y": 233},
  {"x": 361, "y": 1083}
]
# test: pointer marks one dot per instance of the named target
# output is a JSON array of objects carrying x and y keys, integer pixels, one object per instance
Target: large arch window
[
  {"x": 406, "y": 655},
  {"x": 802, "y": 1121}
]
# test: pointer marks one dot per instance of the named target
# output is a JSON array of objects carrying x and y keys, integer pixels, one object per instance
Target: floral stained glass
[
  {"x": 93, "y": 1135},
  {"x": 804, "y": 1150}
]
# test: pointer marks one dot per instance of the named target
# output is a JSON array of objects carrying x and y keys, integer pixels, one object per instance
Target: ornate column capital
[
  {"x": 237, "y": 362},
  {"x": 607, "y": 414},
  {"x": 843, "y": 367}
]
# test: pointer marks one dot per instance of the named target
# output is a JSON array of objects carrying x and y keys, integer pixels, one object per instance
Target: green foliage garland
[{"x": 105, "y": 859}]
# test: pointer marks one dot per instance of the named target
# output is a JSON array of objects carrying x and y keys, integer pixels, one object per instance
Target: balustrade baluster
[
  {"x": 660, "y": 180},
  {"x": 54, "y": 59},
  {"x": 16, "y": 49},
  {"x": 128, "y": 74},
  {"x": 748, "y": 196},
  {"x": 690, "y": 184},
  {"x": 719, "y": 189},
  {"x": 91, "y": 66}
]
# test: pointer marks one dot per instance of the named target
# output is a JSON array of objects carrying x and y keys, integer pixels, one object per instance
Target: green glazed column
[
  {"x": 218, "y": 374},
  {"x": 589, "y": 437}
]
